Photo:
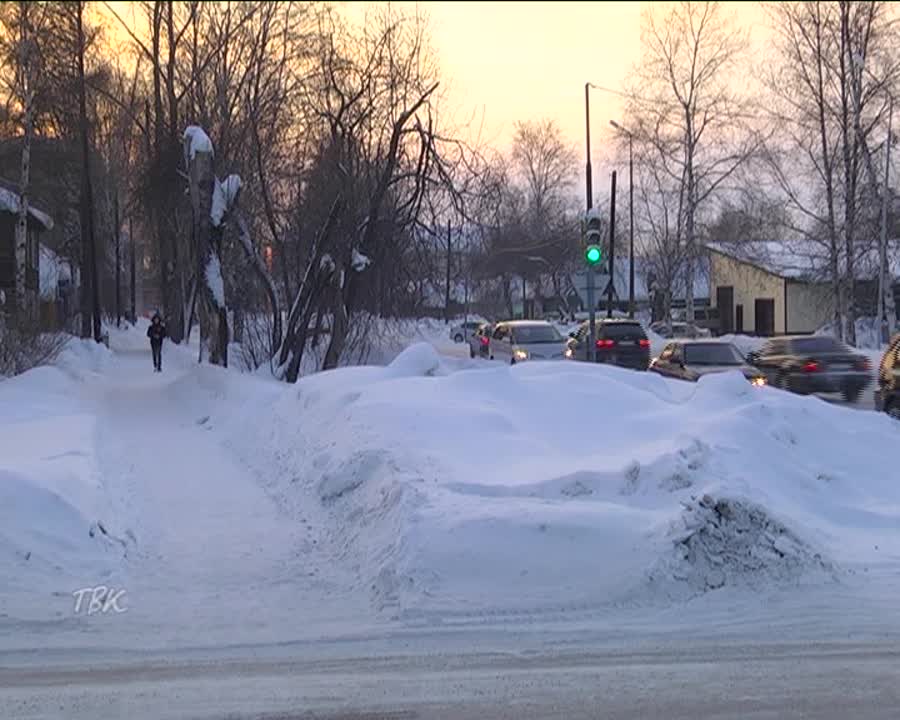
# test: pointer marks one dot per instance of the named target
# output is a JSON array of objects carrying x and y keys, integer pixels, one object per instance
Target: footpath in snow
[{"x": 234, "y": 509}]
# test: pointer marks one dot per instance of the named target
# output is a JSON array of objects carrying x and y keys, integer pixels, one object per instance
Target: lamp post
[
  {"x": 630, "y": 136},
  {"x": 589, "y": 202}
]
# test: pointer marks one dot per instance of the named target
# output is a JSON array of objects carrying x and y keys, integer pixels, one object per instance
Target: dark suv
[
  {"x": 887, "y": 394},
  {"x": 617, "y": 342}
]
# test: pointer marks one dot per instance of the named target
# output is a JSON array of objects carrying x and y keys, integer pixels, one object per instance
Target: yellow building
[{"x": 761, "y": 289}]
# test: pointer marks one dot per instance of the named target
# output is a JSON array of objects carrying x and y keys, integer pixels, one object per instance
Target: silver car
[{"x": 520, "y": 340}]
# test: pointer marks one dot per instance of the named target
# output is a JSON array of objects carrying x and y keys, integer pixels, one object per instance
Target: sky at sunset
[{"x": 508, "y": 61}]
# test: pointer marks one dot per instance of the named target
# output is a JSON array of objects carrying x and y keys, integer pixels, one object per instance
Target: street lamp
[{"x": 630, "y": 136}]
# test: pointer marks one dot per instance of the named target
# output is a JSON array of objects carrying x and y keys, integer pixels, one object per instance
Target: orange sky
[{"x": 508, "y": 61}]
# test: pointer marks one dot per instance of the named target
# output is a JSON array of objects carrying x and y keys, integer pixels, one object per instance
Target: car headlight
[
  {"x": 520, "y": 355},
  {"x": 568, "y": 353},
  {"x": 758, "y": 381}
]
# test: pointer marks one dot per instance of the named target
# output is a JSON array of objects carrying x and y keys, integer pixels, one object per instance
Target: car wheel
[
  {"x": 458, "y": 338},
  {"x": 851, "y": 394}
]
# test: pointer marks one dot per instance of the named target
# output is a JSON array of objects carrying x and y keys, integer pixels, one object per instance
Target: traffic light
[{"x": 593, "y": 251}]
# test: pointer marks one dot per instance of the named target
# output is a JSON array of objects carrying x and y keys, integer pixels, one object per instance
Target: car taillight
[
  {"x": 811, "y": 366},
  {"x": 644, "y": 343},
  {"x": 484, "y": 340},
  {"x": 605, "y": 344}
]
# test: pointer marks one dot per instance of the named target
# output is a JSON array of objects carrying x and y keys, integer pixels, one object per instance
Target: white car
[
  {"x": 462, "y": 332},
  {"x": 519, "y": 340}
]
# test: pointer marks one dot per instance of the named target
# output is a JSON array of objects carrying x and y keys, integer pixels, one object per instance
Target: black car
[
  {"x": 692, "y": 359},
  {"x": 887, "y": 394},
  {"x": 617, "y": 342},
  {"x": 813, "y": 363}
]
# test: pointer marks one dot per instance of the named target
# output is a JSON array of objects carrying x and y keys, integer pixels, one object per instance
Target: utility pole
[
  {"x": 884, "y": 286},
  {"x": 591, "y": 349},
  {"x": 447, "y": 296},
  {"x": 118, "y": 259},
  {"x": 630, "y": 226},
  {"x": 611, "y": 289},
  {"x": 133, "y": 272}
]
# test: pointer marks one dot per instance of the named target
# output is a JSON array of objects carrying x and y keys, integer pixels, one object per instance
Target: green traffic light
[{"x": 593, "y": 254}]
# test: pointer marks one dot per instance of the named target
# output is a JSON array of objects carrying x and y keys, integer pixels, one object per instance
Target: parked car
[
  {"x": 813, "y": 363},
  {"x": 679, "y": 330},
  {"x": 618, "y": 342},
  {"x": 480, "y": 341},
  {"x": 887, "y": 394},
  {"x": 459, "y": 333},
  {"x": 519, "y": 340},
  {"x": 692, "y": 359}
]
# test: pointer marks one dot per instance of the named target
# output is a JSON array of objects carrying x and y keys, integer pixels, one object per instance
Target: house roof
[
  {"x": 9, "y": 202},
  {"x": 793, "y": 260},
  {"x": 805, "y": 260}
]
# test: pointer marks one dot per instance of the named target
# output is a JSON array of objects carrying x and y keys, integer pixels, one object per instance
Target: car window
[
  {"x": 528, "y": 334},
  {"x": 816, "y": 345},
  {"x": 712, "y": 354},
  {"x": 622, "y": 331},
  {"x": 499, "y": 332}
]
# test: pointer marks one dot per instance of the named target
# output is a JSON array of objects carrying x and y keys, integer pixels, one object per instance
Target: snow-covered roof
[
  {"x": 10, "y": 202},
  {"x": 802, "y": 259},
  {"x": 798, "y": 259}
]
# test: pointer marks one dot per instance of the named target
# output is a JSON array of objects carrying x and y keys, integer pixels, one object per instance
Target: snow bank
[
  {"x": 54, "y": 512},
  {"x": 564, "y": 485}
]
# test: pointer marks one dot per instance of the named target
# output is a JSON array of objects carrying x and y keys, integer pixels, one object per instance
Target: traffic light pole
[
  {"x": 611, "y": 288},
  {"x": 591, "y": 348}
]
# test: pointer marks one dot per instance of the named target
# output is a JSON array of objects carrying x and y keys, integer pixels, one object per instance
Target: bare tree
[{"x": 684, "y": 107}]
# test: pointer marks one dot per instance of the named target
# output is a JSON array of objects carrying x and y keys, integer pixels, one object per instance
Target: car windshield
[
  {"x": 712, "y": 354},
  {"x": 622, "y": 331},
  {"x": 817, "y": 345},
  {"x": 530, "y": 334}
]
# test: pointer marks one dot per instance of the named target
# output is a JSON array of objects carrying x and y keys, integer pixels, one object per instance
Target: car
[
  {"x": 679, "y": 330},
  {"x": 807, "y": 364},
  {"x": 460, "y": 333},
  {"x": 515, "y": 341},
  {"x": 887, "y": 394},
  {"x": 480, "y": 341},
  {"x": 692, "y": 359},
  {"x": 618, "y": 342}
]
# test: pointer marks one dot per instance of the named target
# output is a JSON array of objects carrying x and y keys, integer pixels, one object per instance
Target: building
[
  {"x": 38, "y": 223},
  {"x": 767, "y": 288}
]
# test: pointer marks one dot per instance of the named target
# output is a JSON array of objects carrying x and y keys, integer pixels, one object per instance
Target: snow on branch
[
  {"x": 195, "y": 140},
  {"x": 214, "y": 280},
  {"x": 224, "y": 196},
  {"x": 358, "y": 261}
]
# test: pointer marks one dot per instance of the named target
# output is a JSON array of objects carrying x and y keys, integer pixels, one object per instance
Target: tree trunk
[
  {"x": 211, "y": 307},
  {"x": 89, "y": 247},
  {"x": 850, "y": 155},
  {"x": 23, "y": 307}
]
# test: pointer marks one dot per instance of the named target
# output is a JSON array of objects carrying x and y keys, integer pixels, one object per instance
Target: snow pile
[
  {"x": 83, "y": 357},
  {"x": 54, "y": 511},
  {"x": 566, "y": 485}
]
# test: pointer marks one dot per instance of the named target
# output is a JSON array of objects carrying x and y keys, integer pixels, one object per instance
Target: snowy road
[{"x": 826, "y": 681}]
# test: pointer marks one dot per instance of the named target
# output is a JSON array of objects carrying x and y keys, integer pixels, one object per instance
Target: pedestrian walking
[{"x": 156, "y": 332}]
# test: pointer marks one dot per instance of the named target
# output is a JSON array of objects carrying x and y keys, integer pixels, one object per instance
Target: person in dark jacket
[{"x": 156, "y": 332}]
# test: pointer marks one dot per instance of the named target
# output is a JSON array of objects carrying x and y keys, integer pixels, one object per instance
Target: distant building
[
  {"x": 769, "y": 288},
  {"x": 38, "y": 223}
]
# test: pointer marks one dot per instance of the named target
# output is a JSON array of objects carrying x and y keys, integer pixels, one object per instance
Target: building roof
[
  {"x": 793, "y": 260},
  {"x": 9, "y": 202},
  {"x": 805, "y": 260}
]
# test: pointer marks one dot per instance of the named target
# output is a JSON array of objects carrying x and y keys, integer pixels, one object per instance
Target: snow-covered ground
[{"x": 432, "y": 493}]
